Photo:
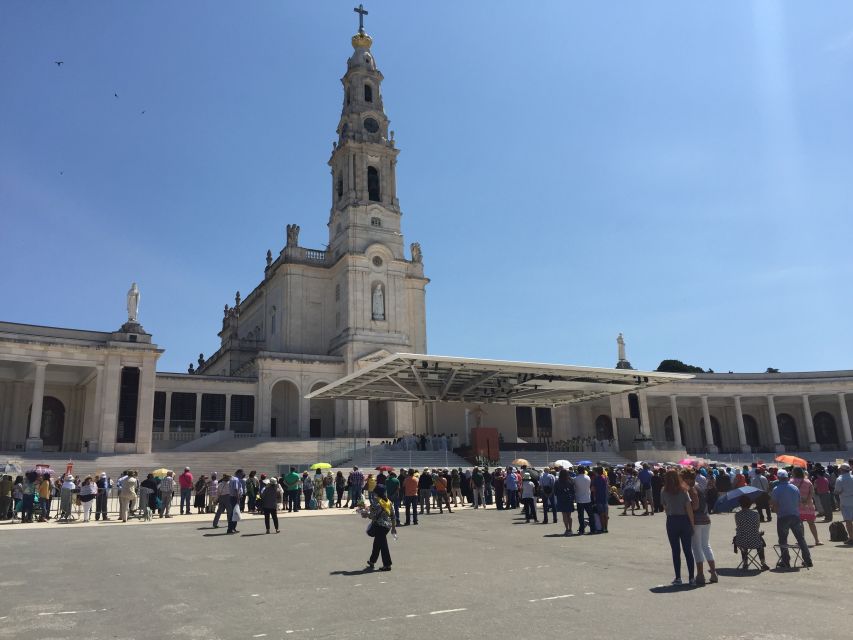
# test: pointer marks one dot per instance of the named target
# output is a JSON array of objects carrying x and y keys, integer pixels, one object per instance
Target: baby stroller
[{"x": 66, "y": 501}]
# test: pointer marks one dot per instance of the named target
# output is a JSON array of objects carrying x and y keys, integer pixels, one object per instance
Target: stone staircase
[
  {"x": 539, "y": 459},
  {"x": 374, "y": 456}
]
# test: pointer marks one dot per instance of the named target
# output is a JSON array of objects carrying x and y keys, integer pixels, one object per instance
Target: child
[{"x": 528, "y": 499}]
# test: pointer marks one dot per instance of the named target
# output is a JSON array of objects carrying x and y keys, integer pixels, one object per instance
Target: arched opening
[
  {"x": 322, "y": 420},
  {"x": 825, "y": 431},
  {"x": 284, "y": 414},
  {"x": 373, "y": 193},
  {"x": 716, "y": 432},
  {"x": 603, "y": 427},
  {"x": 52, "y": 422},
  {"x": 788, "y": 430},
  {"x": 750, "y": 427},
  {"x": 669, "y": 434},
  {"x": 368, "y": 93},
  {"x": 348, "y": 97},
  {"x": 339, "y": 187}
]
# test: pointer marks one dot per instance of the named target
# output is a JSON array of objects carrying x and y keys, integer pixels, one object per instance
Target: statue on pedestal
[
  {"x": 292, "y": 235},
  {"x": 417, "y": 255},
  {"x": 200, "y": 360},
  {"x": 269, "y": 258},
  {"x": 623, "y": 361},
  {"x": 133, "y": 304},
  {"x": 378, "y": 302}
]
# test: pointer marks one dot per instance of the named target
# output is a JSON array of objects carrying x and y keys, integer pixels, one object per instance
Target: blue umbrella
[
  {"x": 731, "y": 499},
  {"x": 585, "y": 463}
]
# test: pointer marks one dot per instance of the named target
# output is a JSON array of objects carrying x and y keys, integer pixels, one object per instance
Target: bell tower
[{"x": 365, "y": 209}]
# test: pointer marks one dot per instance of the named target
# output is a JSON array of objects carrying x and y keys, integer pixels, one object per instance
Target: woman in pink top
[{"x": 807, "y": 508}]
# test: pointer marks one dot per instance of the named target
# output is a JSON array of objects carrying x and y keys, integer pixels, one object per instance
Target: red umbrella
[{"x": 384, "y": 467}]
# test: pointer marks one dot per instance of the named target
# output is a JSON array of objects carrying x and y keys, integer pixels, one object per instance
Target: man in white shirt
[
  {"x": 583, "y": 497},
  {"x": 844, "y": 491}
]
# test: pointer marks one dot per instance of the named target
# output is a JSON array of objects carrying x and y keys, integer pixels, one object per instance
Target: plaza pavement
[{"x": 471, "y": 574}]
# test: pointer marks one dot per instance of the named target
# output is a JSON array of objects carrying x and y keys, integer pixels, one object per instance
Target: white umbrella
[
  {"x": 12, "y": 468},
  {"x": 563, "y": 463}
]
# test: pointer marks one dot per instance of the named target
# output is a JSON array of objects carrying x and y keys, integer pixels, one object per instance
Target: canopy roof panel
[{"x": 412, "y": 377}]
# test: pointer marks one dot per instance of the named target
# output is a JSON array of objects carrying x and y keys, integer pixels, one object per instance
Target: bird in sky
[
  {"x": 143, "y": 111},
  {"x": 59, "y": 62},
  {"x": 116, "y": 95}
]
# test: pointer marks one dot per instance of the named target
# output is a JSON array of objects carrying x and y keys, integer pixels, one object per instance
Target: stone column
[
  {"x": 845, "y": 421},
  {"x": 198, "y": 415},
  {"x": 167, "y": 416},
  {"x": 774, "y": 426},
  {"x": 304, "y": 416},
  {"x": 676, "y": 425},
  {"x": 741, "y": 430},
  {"x": 145, "y": 406},
  {"x": 109, "y": 404},
  {"x": 709, "y": 432},
  {"x": 34, "y": 441},
  {"x": 807, "y": 410},
  {"x": 228, "y": 412},
  {"x": 535, "y": 426},
  {"x": 645, "y": 423}
]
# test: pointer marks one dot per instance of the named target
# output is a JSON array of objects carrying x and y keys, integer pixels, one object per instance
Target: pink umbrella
[{"x": 688, "y": 462}]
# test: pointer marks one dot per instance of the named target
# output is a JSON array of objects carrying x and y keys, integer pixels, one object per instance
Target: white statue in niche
[
  {"x": 133, "y": 303},
  {"x": 378, "y": 302}
]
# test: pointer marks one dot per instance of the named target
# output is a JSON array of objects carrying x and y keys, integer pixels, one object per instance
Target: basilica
[{"x": 322, "y": 315}]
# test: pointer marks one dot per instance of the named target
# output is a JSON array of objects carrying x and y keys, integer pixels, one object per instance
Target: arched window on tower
[
  {"x": 348, "y": 100},
  {"x": 368, "y": 93},
  {"x": 340, "y": 185},
  {"x": 373, "y": 193}
]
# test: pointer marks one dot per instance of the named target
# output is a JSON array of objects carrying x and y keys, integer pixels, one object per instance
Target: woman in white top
[{"x": 88, "y": 491}]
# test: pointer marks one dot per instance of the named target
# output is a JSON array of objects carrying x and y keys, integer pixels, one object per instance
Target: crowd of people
[{"x": 688, "y": 495}]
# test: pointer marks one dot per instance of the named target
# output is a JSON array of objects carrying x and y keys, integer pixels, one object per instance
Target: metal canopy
[{"x": 412, "y": 377}]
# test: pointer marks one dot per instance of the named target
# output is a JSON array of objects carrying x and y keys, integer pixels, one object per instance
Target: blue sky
[{"x": 680, "y": 172}]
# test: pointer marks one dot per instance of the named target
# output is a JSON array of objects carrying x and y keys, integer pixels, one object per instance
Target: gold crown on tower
[{"x": 361, "y": 39}]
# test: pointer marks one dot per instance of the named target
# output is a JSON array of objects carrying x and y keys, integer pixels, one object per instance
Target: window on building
[
  {"x": 242, "y": 414},
  {"x": 373, "y": 184},
  {"x": 368, "y": 93},
  {"x": 127, "y": 404},
  {"x": 337, "y": 292},
  {"x": 159, "y": 425},
  {"x": 340, "y": 187},
  {"x": 182, "y": 417},
  {"x": 376, "y": 222},
  {"x": 524, "y": 422},
  {"x": 273, "y": 320},
  {"x": 212, "y": 412},
  {"x": 543, "y": 422}
]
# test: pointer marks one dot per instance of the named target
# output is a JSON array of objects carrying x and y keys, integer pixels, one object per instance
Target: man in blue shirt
[
  {"x": 549, "y": 502},
  {"x": 645, "y": 478},
  {"x": 785, "y": 501}
]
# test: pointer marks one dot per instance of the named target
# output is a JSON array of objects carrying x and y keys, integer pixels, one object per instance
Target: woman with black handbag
[{"x": 381, "y": 523}]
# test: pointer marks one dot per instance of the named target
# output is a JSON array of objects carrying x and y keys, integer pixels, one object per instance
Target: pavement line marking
[
  {"x": 629, "y": 589},
  {"x": 260, "y": 635},
  {"x": 435, "y": 613},
  {"x": 412, "y": 615},
  {"x": 568, "y": 595},
  {"x": 590, "y": 593},
  {"x": 255, "y": 595}
]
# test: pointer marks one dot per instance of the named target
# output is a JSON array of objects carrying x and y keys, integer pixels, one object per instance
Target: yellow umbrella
[
  {"x": 320, "y": 465},
  {"x": 160, "y": 473},
  {"x": 520, "y": 462}
]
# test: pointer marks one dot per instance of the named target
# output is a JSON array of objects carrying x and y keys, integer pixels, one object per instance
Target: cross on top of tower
[{"x": 361, "y": 11}]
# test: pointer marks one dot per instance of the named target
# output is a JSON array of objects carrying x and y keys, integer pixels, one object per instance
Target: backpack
[{"x": 837, "y": 532}]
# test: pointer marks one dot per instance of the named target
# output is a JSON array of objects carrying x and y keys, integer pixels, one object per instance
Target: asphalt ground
[{"x": 470, "y": 574}]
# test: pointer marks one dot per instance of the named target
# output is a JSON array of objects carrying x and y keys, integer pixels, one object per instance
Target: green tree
[{"x": 677, "y": 366}]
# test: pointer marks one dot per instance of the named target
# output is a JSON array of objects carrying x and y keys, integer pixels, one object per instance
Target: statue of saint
[
  {"x": 378, "y": 302},
  {"x": 620, "y": 341},
  {"x": 293, "y": 235},
  {"x": 269, "y": 258},
  {"x": 478, "y": 416},
  {"x": 417, "y": 256},
  {"x": 200, "y": 360},
  {"x": 133, "y": 303}
]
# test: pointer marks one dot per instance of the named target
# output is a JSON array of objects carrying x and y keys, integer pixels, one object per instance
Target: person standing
[
  {"x": 425, "y": 490},
  {"x": 549, "y": 502},
  {"x": 844, "y": 492},
  {"x": 185, "y": 483},
  {"x": 583, "y": 496},
  {"x": 564, "y": 492},
  {"x": 498, "y": 486},
  {"x": 235, "y": 489},
  {"x": 701, "y": 540},
  {"x": 808, "y": 514},
  {"x": 785, "y": 501},
  {"x": 44, "y": 490},
  {"x": 103, "y": 484},
  {"x": 380, "y": 525},
  {"x": 292, "y": 481},
  {"x": 394, "y": 491},
  {"x": 511, "y": 486},
  {"x": 253, "y": 488},
  {"x": 646, "y": 492},
  {"x": 5, "y": 496},
  {"x": 307, "y": 489},
  {"x": 127, "y": 494},
  {"x": 456, "y": 488},
  {"x": 167, "y": 490},
  {"x": 340, "y": 486},
  {"x": 200, "y": 500},
  {"x": 213, "y": 493},
  {"x": 319, "y": 492},
  {"x": 270, "y": 496},
  {"x": 410, "y": 496},
  {"x": 356, "y": 489},
  {"x": 443, "y": 499},
  {"x": 477, "y": 488},
  {"x": 600, "y": 495},
  {"x": 329, "y": 488},
  {"x": 223, "y": 500},
  {"x": 762, "y": 500},
  {"x": 528, "y": 498},
  {"x": 88, "y": 493},
  {"x": 679, "y": 523},
  {"x": 823, "y": 493}
]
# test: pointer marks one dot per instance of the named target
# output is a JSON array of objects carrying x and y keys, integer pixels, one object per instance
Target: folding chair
[
  {"x": 794, "y": 553},
  {"x": 748, "y": 559}
]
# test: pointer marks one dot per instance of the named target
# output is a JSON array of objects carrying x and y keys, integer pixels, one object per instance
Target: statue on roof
[
  {"x": 417, "y": 255},
  {"x": 293, "y": 235},
  {"x": 133, "y": 303}
]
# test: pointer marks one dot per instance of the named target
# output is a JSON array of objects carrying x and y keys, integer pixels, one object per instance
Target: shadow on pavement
[
  {"x": 671, "y": 588},
  {"x": 215, "y": 535},
  {"x": 351, "y": 573},
  {"x": 252, "y": 535},
  {"x": 738, "y": 573}
]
